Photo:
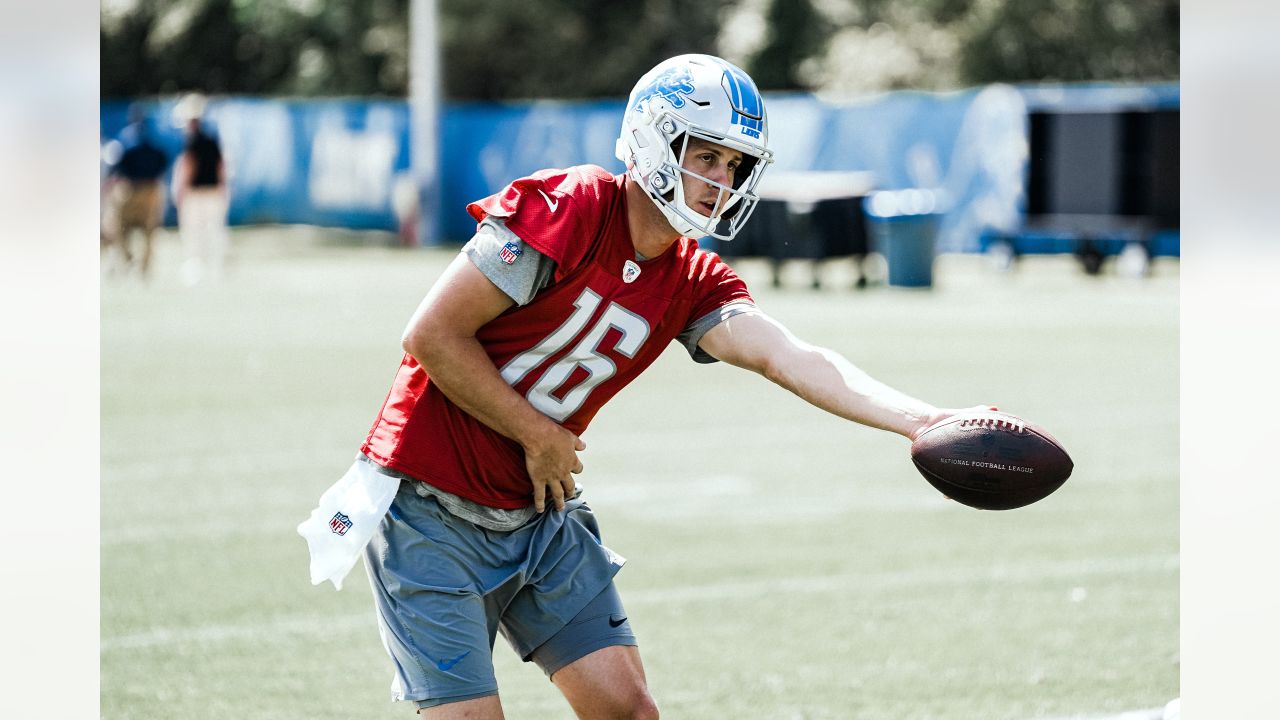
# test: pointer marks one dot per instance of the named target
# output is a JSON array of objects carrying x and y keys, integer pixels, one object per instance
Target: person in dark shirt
[
  {"x": 133, "y": 194},
  {"x": 200, "y": 194}
]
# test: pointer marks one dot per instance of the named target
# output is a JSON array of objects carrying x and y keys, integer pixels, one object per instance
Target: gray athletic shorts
[{"x": 444, "y": 587}]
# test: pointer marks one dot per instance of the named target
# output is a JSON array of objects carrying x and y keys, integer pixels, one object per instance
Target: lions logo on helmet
[
  {"x": 672, "y": 85},
  {"x": 702, "y": 97}
]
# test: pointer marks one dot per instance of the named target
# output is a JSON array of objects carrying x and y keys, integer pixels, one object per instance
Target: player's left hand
[
  {"x": 552, "y": 461},
  {"x": 941, "y": 414}
]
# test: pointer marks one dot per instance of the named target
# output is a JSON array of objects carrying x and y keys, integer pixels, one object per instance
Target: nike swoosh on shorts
[{"x": 447, "y": 665}]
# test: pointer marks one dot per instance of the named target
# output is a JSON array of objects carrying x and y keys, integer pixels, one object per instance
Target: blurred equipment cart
[{"x": 807, "y": 216}]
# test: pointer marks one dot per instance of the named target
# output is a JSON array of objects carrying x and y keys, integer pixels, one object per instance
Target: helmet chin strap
[
  {"x": 658, "y": 203},
  {"x": 658, "y": 186},
  {"x": 680, "y": 223}
]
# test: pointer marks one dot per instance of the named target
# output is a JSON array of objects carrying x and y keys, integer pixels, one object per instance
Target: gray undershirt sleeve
[
  {"x": 692, "y": 335},
  {"x": 521, "y": 279}
]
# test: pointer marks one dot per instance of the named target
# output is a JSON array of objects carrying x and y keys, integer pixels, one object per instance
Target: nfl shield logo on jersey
[
  {"x": 340, "y": 524},
  {"x": 510, "y": 252},
  {"x": 630, "y": 271}
]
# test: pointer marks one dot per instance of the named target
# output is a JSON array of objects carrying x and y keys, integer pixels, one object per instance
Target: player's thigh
[
  {"x": 600, "y": 623},
  {"x": 435, "y": 624},
  {"x": 595, "y": 662},
  {"x": 571, "y": 581},
  {"x": 608, "y": 683}
]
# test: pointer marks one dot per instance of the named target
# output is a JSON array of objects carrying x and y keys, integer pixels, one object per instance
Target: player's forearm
[
  {"x": 827, "y": 380},
  {"x": 464, "y": 373}
]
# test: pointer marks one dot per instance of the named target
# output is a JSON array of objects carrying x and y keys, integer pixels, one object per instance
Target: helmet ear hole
[{"x": 663, "y": 185}]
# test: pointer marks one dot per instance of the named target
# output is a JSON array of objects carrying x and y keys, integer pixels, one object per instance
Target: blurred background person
[
  {"x": 133, "y": 195},
  {"x": 200, "y": 195}
]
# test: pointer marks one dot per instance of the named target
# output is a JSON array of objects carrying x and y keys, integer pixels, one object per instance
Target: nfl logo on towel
[
  {"x": 340, "y": 524},
  {"x": 510, "y": 252}
]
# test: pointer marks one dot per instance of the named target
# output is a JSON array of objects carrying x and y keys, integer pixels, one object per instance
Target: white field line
[
  {"x": 210, "y": 634},
  {"x": 1147, "y": 714},
  {"x": 906, "y": 578},
  {"x": 213, "y": 530},
  {"x": 635, "y": 496},
  {"x": 326, "y": 625},
  {"x": 214, "y": 462},
  {"x": 206, "y": 531}
]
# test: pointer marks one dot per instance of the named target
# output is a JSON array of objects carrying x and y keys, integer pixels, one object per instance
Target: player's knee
[
  {"x": 621, "y": 703},
  {"x": 647, "y": 710},
  {"x": 638, "y": 705}
]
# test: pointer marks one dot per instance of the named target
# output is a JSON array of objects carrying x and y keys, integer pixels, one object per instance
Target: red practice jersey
[{"x": 601, "y": 321}]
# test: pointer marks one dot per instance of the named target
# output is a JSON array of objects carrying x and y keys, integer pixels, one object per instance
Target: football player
[{"x": 574, "y": 283}]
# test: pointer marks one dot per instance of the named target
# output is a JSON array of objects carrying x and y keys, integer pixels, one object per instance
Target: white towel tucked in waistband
[{"x": 342, "y": 524}]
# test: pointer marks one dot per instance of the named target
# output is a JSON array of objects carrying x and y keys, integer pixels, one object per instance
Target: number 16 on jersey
[{"x": 586, "y": 355}]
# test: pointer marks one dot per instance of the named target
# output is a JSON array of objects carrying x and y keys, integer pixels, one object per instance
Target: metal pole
[{"x": 424, "y": 116}]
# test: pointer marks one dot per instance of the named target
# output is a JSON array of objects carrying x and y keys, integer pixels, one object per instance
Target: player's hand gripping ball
[{"x": 991, "y": 460}]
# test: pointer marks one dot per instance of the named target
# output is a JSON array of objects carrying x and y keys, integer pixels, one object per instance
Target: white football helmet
[{"x": 698, "y": 96}]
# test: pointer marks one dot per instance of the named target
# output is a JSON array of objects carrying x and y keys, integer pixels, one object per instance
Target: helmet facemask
[{"x": 733, "y": 204}]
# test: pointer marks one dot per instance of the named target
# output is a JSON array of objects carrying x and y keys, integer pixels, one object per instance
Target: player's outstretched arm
[
  {"x": 441, "y": 336},
  {"x": 820, "y": 376}
]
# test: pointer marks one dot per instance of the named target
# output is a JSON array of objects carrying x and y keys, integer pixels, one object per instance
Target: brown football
[{"x": 991, "y": 460}]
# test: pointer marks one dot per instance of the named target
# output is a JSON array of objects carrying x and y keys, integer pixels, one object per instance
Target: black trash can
[{"x": 904, "y": 229}]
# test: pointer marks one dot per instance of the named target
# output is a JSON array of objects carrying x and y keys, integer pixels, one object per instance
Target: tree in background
[
  {"x": 255, "y": 47},
  {"x": 517, "y": 49},
  {"x": 1081, "y": 40},
  {"x": 878, "y": 45},
  {"x": 795, "y": 32}
]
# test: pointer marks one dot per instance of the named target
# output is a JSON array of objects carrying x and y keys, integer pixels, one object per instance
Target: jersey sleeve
[
  {"x": 517, "y": 269},
  {"x": 719, "y": 295},
  {"x": 556, "y": 212}
]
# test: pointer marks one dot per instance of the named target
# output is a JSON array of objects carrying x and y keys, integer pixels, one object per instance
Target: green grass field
[{"x": 782, "y": 563}]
